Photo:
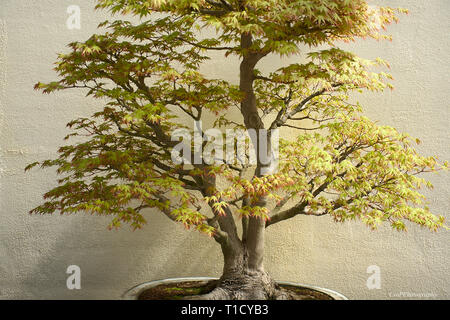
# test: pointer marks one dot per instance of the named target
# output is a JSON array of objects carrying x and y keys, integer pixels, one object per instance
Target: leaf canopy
[{"x": 148, "y": 77}]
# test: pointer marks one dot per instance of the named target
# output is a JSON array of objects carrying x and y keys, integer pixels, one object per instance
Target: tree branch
[
  {"x": 284, "y": 116},
  {"x": 292, "y": 212},
  {"x": 205, "y": 47}
]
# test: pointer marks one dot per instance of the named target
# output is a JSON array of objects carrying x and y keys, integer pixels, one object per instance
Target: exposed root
[
  {"x": 248, "y": 286},
  {"x": 216, "y": 294}
]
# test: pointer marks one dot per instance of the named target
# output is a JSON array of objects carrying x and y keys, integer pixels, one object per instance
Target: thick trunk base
[{"x": 248, "y": 285}]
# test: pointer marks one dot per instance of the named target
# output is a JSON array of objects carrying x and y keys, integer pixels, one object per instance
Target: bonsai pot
[{"x": 140, "y": 292}]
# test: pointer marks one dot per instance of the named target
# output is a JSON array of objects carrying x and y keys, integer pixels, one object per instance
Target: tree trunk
[
  {"x": 243, "y": 273},
  {"x": 243, "y": 278}
]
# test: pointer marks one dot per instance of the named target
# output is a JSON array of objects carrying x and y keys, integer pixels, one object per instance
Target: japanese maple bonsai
[{"x": 147, "y": 76}]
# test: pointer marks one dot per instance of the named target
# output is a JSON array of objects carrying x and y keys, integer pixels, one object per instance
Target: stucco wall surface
[{"x": 35, "y": 251}]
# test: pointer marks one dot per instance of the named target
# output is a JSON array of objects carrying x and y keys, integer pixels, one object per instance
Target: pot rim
[{"x": 134, "y": 292}]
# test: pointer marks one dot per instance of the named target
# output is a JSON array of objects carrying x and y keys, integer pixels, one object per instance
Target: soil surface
[{"x": 176, "y": 291}]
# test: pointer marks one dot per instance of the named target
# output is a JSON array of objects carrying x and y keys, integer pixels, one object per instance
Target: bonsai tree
[{"x": 329, "y": 160}]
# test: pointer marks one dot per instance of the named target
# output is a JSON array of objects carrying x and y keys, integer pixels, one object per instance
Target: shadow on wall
[
  {"x": 40, "y": 248},
  {"x": 112, "y": 261}
]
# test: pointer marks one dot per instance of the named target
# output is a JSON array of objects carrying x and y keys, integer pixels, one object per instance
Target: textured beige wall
[{"x": 35, "y": 251}]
